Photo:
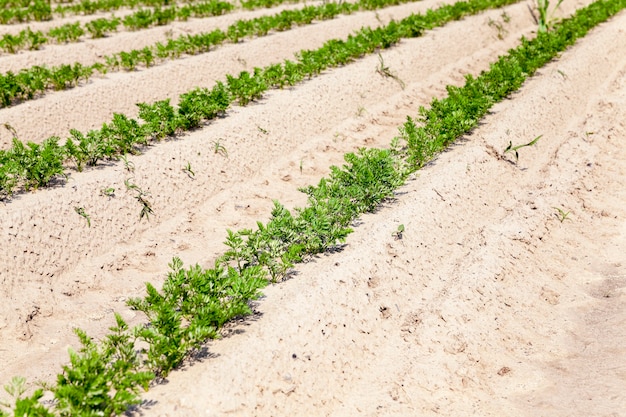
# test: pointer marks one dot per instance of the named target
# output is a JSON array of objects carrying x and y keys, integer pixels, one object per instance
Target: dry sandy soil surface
[{"x": 491, "y": 303}]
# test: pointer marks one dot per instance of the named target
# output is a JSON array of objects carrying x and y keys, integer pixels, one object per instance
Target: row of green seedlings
[
  {"x": 42, "y": 10},
  {"x": 29, "y": 83},
  {"x": 106, "y": 378},
  {"x": 88, "y": 6},
  {"x": 38, "y": 10},
  {"x": 267, "y": 4},
  {"x": 32, "y": 166},
  {"x": 98, "y": 28}
]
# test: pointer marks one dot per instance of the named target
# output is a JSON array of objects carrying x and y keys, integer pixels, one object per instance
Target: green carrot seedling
[
  {"x": 108, "y": 192},
  {"x": 398, "y": 233}
]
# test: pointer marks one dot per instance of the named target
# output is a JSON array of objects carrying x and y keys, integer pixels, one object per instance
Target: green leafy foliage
[
  {"x": 32, "y": 165},
  {"x": 161, "y": 119},
  {"x": 24, "y": 406},
  {"x": 277, "y": 76},
  {"x": 203, "y": 104},
  {"x": 69, "y": 32},
  {"x": 102, "y": 379},
  {"x": 193, "y": 305},
  {"x": 88, "y": 149},
  {"x": 453, "y": 116},
  {"x": 98, "y": 28},
  {"x": 247, "y": 87},
  {"x": 41, "y": 10},
  {"x": 38, "y": 10}
]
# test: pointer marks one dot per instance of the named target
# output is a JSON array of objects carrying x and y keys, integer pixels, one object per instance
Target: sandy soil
[{"x": 488, "y": 305}]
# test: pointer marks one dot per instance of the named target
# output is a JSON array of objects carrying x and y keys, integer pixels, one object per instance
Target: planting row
[
  {"x": 29, "y": 82},
  {"x": 16, "y": 11},
  {"x": 98, "y": 28},
  {"x": 41, "y": 10},
  {"x": 105, "y": 378},
  {"x": 32, "y": 166}
]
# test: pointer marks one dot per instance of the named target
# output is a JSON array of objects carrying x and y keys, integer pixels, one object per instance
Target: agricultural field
[{"x": 371, "y": 207}]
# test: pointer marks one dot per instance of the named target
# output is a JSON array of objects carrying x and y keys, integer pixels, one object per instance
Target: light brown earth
[{"x": 488, "y": 305}]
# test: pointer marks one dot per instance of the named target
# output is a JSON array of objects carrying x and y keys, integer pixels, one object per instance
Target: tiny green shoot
[
  {"x": 146, "y": 207},
  {"x": 108, "y": 192},
  {"x": 514, "y": 149},
  {"x": 187, "y": 169},
  {"x": 128, "y": 165},
  {"x": 398, "y": 233},
  {"x": 130, "y": 186},
  {"x": 384, "y": 70},
  {"x": 561, "y": 214},
  {"x": 81, "y": 211},
  {"x": 219, "y": 149},
  {"x": 499, "y": 26}
]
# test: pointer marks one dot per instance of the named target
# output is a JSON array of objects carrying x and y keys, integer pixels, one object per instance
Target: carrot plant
[
  {"x": 38, "y": 10},
  {"x": 41, "y": 10},
  {"x": 69, "y": 32},
  {"x": 24, "y": 406},
  {"x": 192, "y": 306},
  {"x": 108, "y": 192},
  {"x": 185, "y": 44},
  {"x": 102, "y": 378},
  {"x": 98, "y": 28},
  {"x": 85, "y": 149}
]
